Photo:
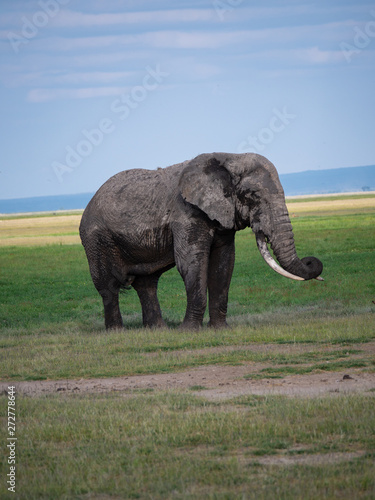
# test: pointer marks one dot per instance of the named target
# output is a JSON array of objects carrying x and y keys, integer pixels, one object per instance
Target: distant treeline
[{"x": 337, "y": 180}]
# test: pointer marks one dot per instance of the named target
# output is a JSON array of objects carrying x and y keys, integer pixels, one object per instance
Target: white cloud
[
  {"x": 106, "y": 59},
  {"x": 314, "y": 55},
  {"x": 45, "y": 95},
  {"x": 247, "y": 39},
  {"x": 69, "y": 18},
  {"x": 48, "y": 78},
  {"x": 203, "y": 39},
  {"x": 309, "y": 56},
  {"x": 294, "y": 11},
  {"x": 185, "y": 39},
  {"x": 65, "y": 44},
  {"x": 94, "y": 77},
  {"x": 190, "y": 69}
]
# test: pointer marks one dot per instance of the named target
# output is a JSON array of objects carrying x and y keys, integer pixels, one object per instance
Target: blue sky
[{"x": 90, "y": 88}]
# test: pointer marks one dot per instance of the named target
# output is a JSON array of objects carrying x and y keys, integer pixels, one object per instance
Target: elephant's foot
[
  {"x": 113, "y": 319},
  {"x": 218, "y": 325},
  {"x": 114, "y": 325},
  {"x": 158, "y": 324},
  {"x": 152, "y": 318},
  {"x": 112, "y": 313},
  {"x": 191, "y": 325}
]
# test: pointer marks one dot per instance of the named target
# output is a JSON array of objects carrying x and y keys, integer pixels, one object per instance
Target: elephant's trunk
[{"x": 282, "y": 244}]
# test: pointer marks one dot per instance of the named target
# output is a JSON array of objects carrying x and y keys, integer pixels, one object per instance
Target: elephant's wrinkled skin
[{"x": 141, "y": 223}]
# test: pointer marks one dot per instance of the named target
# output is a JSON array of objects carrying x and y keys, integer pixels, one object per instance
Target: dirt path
[
  {"x": 225, "y": 381},
  {"x": 215, "y": 382}
]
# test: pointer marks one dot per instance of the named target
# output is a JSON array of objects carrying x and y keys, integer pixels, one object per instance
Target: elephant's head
[{"x": 242, "y": 190}]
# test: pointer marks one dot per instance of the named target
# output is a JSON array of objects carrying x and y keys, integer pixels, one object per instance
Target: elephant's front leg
[
  {"x": 220, "y": 272},
  {"x": 192, "y": 264}
]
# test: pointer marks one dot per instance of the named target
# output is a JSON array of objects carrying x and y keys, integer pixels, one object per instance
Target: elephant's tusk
[
  {"x": 265, "y": 253},
  {"x": 319, "y": 278}
]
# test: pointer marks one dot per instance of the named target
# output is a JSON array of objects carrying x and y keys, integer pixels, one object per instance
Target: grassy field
[{"x": 176, "y": 444}]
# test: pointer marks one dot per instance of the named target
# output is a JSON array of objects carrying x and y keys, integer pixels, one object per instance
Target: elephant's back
[{"x": 134, "y": 197}]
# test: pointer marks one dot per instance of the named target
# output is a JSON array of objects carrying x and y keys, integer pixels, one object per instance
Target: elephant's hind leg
[
  {"x": 108, "y": 287},
  {"x": 146, "y": 287},
  {"x": 112, "y": 314},
  {"x": 107, "y": 281}
]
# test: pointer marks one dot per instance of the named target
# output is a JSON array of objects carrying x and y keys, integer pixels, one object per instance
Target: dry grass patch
[
  {"x": 40, "y": 230},
  {"x": 63, "y": 229},
  {"x": 27, "y": 241},
  {"x": 332, "y": 206}
]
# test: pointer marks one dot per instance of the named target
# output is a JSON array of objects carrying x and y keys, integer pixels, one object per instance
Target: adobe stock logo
[
  {"x": 361, "y": 39},
  {"x": 223, "y": 6},
  {"x": 30, "y": 26},
  {"x": 121, "y": 108},
  {"x": 278, "y": 122},
  {"x": 84, "y": 148}
]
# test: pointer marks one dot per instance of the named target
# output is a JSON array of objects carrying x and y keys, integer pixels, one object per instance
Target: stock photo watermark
[
  {"x": 361, "y": 39},
  {"x": 121, "y": 107},
  {"x": 277, "y": 124},
  {"x": 32, "y": 24},
  {"x": 222, "y": 7},
  {"x": 11, "y": 440}
]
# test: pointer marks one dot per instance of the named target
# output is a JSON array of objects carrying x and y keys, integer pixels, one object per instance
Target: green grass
[
  {"x": 37, "y": 355},
  {"x": 49, "y": 306},
  {"x": 163, "y": 445},
  {"x": 281, "y": 372},
  {"x": 45, "y": 286}
]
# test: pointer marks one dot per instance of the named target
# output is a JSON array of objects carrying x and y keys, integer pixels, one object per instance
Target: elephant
[{"x": 141, "y": 223}]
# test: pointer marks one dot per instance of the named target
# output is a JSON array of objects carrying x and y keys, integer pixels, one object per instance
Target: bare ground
[{"x": 217, "y": 382}]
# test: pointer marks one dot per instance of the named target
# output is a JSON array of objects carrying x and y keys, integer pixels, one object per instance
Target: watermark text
[
  {"x": 32, "y": 24},
  {"x": 361, "y": 39},
  {"x": 121, "y": 108},
  {"x": 277, "y": 123},
  {"x": 222, "y": 7},
  {"x": 11, "y": 440}
]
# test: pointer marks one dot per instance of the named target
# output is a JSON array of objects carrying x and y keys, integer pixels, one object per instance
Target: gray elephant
[{"x": 141, "y": 223}]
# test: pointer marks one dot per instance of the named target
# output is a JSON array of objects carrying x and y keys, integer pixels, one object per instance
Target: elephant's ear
[{"x": 206, "y": 184}]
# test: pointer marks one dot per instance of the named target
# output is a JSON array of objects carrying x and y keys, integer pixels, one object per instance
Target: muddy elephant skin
[{"x": 141, "y": 223}]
